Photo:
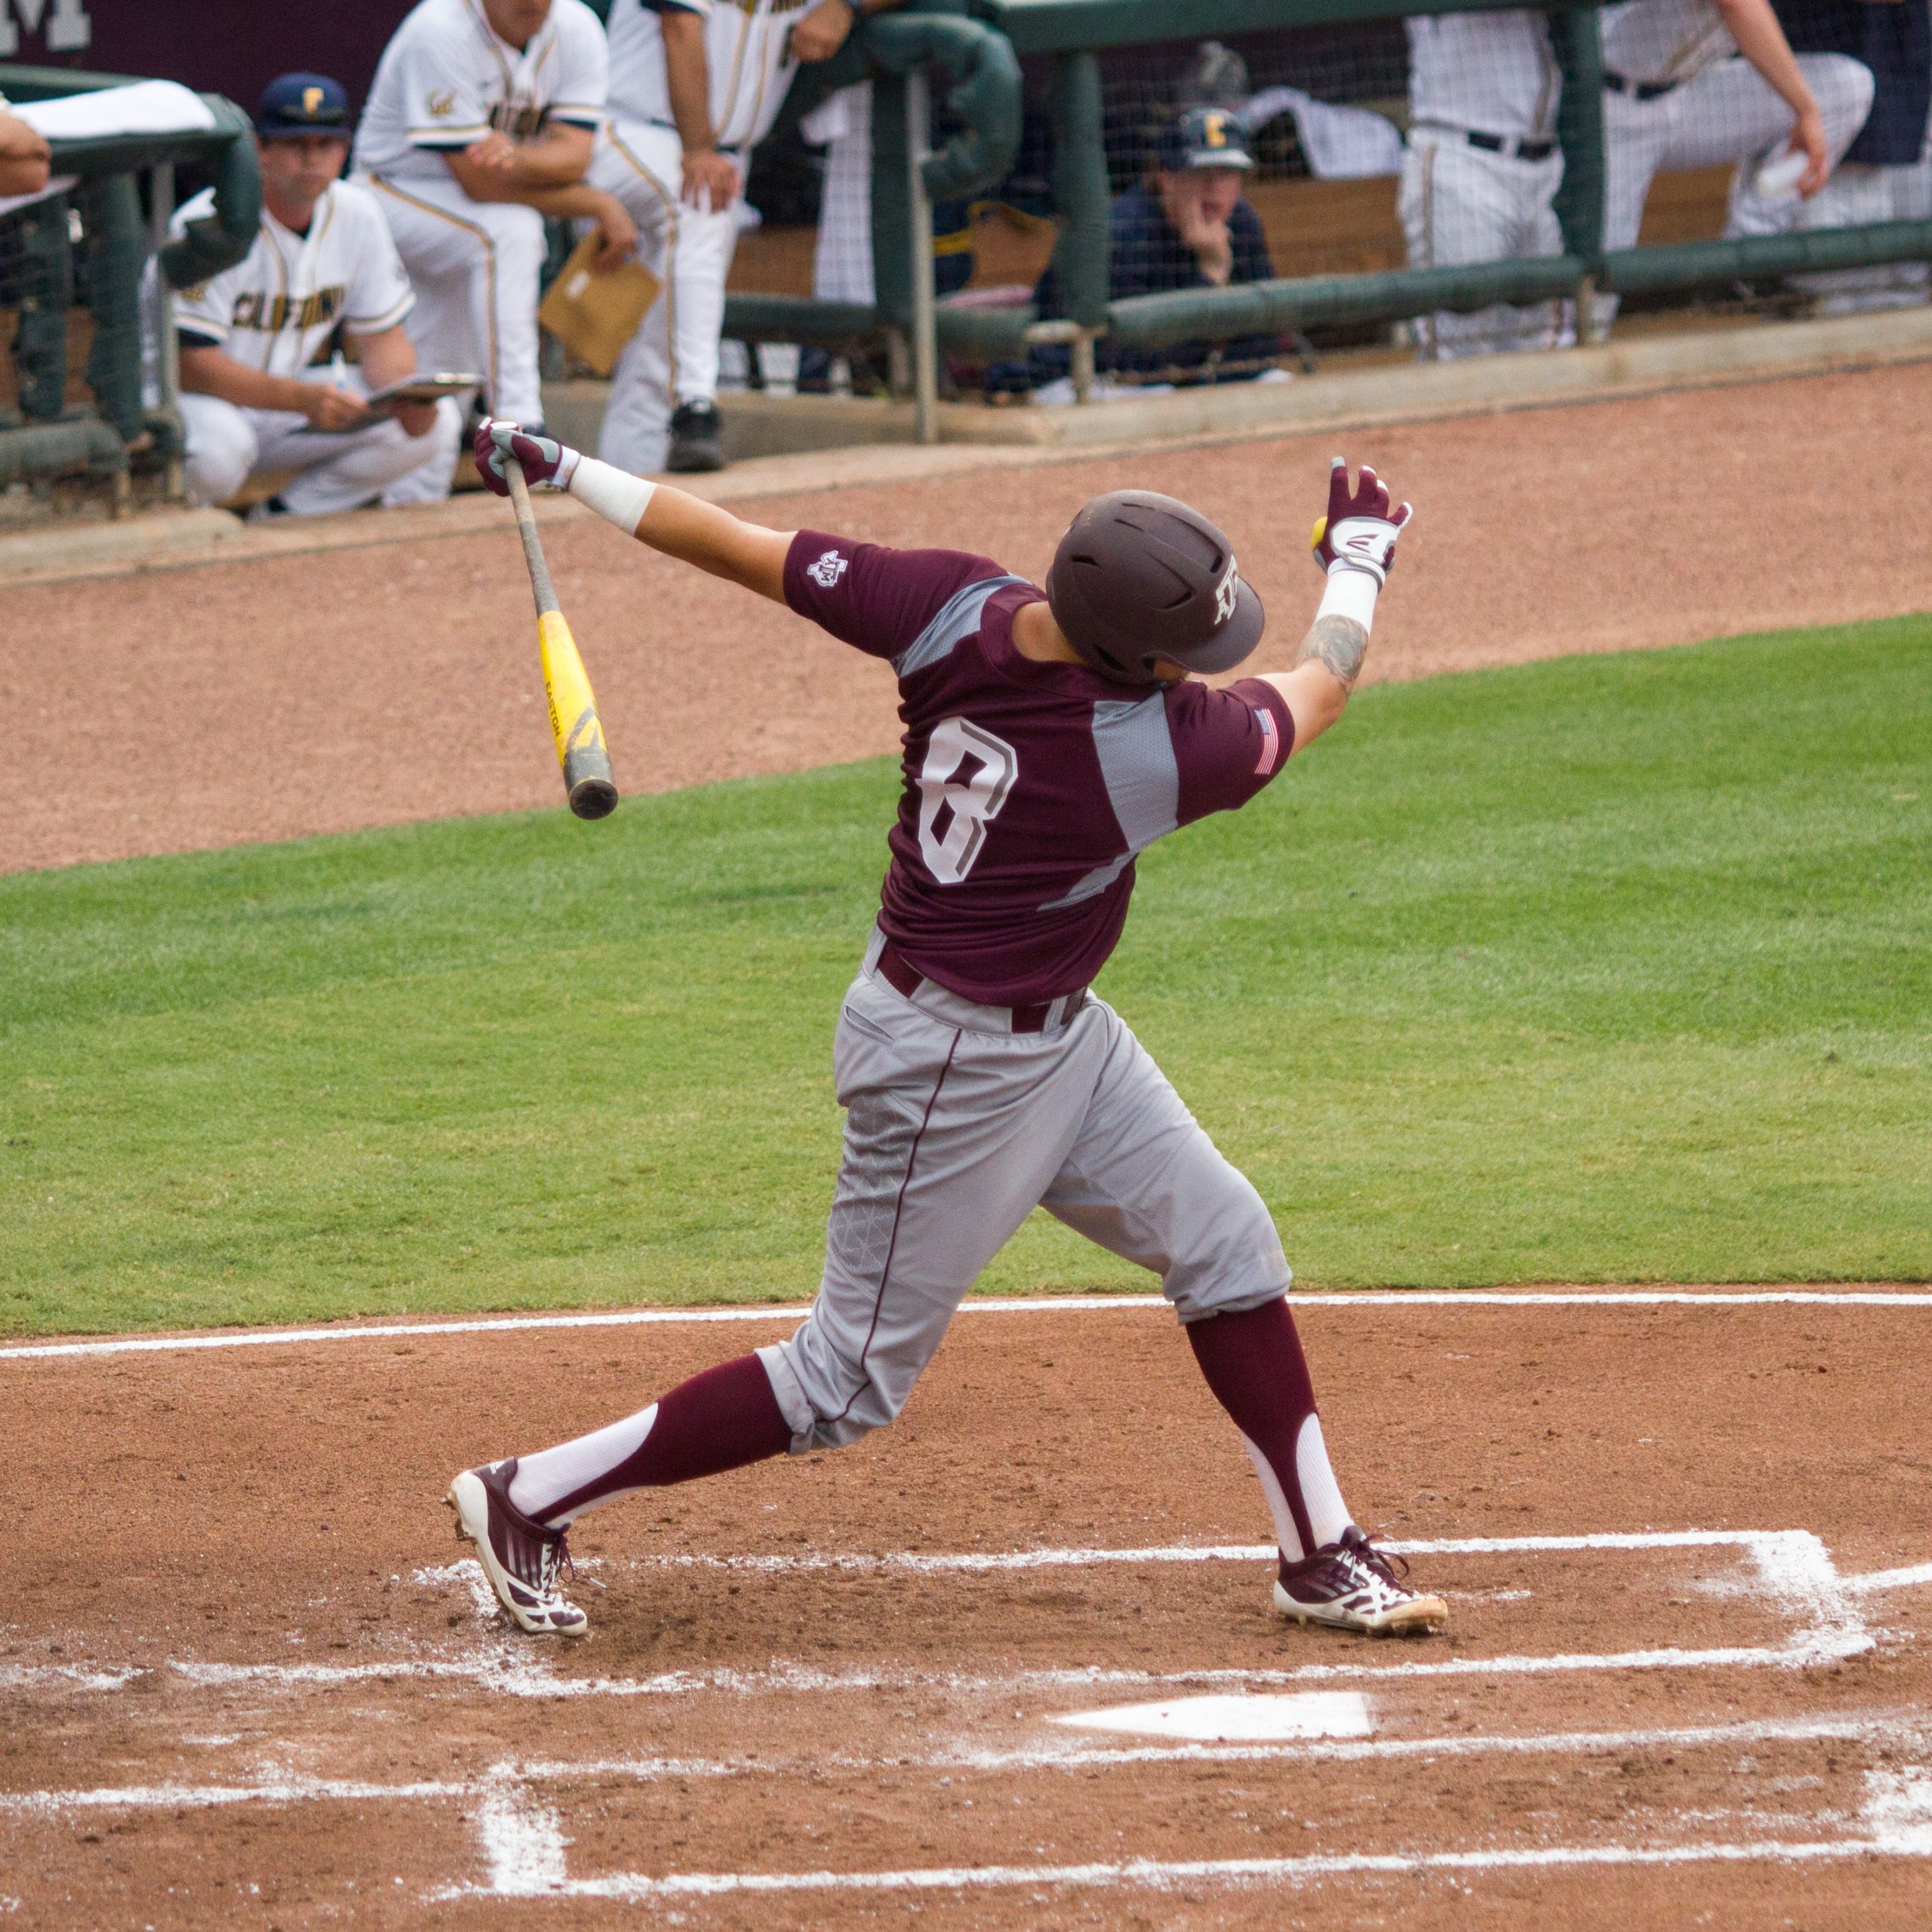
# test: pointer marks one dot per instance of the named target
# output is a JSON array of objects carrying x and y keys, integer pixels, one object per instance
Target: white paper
[{"x": 148, "y": 107}]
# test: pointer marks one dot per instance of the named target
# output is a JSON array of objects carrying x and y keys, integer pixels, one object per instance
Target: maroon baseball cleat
[
  {"x": 520, "y": 1556},
  {"x": 1351, "y": 1586}
]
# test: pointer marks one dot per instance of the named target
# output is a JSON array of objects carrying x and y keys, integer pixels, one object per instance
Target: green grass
[{"x": 1610, "y": 968}]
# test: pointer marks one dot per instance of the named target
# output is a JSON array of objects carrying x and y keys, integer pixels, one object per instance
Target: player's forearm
[
  {"x": 210, "y": 372},
  {"x": 687, "y": 80},
  {"x": 1761, "y": 41},
  {"x": 709, "y": 537},
  {"x": 1330, "y": 660},
  {"x": 387, "y": 356}
]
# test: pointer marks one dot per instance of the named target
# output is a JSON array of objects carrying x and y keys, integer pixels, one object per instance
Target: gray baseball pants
[{"x": 955, "y": 1129}]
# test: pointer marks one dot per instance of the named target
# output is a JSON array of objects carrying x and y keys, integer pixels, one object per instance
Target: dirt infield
[
  {"x": 242, "y": 701},
  {"x": 249, "y": 1682}
]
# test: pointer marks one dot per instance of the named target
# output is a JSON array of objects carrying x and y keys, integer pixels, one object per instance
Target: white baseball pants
[
  {"x": 1459, "y": 204},
  {"x": 673, "y": 357},
  {"x": 226, "y": 445},
  {"x": 956, "y": 1128},
  {"x": 478, "y": 268},
  {"x": 1858, "y": 193}
]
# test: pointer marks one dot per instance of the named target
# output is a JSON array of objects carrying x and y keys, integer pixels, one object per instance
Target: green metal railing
[
  {"x": 1071, "y": 32},
  {"x": 53, "y": 275}
]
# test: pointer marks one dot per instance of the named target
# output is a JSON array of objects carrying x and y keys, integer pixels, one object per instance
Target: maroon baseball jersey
[{"x": 1029, "y": 788}]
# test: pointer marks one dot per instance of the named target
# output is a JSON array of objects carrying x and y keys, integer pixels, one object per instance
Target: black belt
[
  {"x": 1505, "y": 144},
  {"x": 1637, "y": 90},
  {"x": 902, "y": 977}
]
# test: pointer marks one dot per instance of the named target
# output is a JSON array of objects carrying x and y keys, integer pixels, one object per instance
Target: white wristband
[
  {"x": 612, "y": 492},
  {"x": 1351, "y": 593}
]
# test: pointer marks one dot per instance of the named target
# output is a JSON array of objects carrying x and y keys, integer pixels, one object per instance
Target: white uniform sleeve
[
  {"x": 202, "y": 313},
  {"x": 583, "y": 77},
  {"x": 442, "y": 106},
  {"x": 379, "y": 294}
]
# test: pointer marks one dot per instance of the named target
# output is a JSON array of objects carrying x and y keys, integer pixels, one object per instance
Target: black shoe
[{"x": 697, "y": 440}]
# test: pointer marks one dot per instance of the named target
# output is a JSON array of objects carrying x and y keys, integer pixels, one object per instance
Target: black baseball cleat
[
  {"x": 521, "y": 1557},
  {"x": 697, "y": 440},
  {"x": 1351, "y": 1585}
]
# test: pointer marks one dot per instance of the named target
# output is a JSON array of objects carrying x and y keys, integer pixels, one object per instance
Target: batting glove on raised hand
[
  {"x": 1359, "y": 531},
  {"x": 543, "y": 460}
]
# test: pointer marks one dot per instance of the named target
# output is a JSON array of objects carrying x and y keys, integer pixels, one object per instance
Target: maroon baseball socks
[
  {"x": 1253, "y": 1363},
  {"x": 721, "y": 1419}
]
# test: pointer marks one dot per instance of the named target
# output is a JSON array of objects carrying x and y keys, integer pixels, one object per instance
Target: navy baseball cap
[
  {"x": 304, "y": 104},
  {"x": 1205, "y": 137}
]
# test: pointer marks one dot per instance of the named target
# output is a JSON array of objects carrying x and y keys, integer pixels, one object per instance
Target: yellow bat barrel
[{"x": 574, "y": 724}]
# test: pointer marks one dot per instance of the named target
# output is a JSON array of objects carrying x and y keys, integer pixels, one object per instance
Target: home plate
[{"x": 1236, "y": 1720}]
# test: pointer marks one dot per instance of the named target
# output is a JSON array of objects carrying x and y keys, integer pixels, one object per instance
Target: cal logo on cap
[
  {"x": 312, "y": 100},
  {"x": 1215, "y": 127}
]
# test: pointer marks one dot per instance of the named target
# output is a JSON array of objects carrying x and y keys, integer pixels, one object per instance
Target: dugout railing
[
  {"x": 87, "y": 381},
  {"x": 1071, "y": 34}
]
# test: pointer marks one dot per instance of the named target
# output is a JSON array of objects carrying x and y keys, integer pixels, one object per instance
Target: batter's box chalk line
[{"x": 642, "y": 1317}]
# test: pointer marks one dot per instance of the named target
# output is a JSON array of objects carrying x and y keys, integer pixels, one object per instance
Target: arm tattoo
[{"x": 1338, "y": 643}]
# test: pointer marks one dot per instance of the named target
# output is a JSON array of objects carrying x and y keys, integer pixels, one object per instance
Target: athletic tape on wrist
[
  {"x": 612, "y": 492},
  {"x": 1352, "y": 592}
]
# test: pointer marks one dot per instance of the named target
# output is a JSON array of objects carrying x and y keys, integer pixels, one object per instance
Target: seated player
[
  {"x": 23, "y": 156},
  {"x": 1050, "y": 737},
  {"x": 254, "y": 390},
  {"x": 1693, "y": 83},
  {"x": 1187, "y": 225},
  {"x": 1482, "y": 168},
  {"x": 481, "y": 121}
]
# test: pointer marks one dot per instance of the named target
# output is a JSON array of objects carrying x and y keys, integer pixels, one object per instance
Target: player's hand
[
  {"x": 543, "y": 460},
  {"x": 617, "y": 233},
  {"x": 711, "y": 179},
  {"x": 822, "y": 31},
  {"x": 495, "y": 153},
  {"x": 1360, "y": 530},
  {"x": 327, "y": 408},
  {"x": 1808, "y": 138},
  {"x": 418, "y": 419}
]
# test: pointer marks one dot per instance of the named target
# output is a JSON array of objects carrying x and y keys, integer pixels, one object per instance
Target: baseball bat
[{"x": 574, "y": 723}]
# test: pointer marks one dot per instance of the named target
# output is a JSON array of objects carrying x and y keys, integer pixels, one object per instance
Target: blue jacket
[{"x": 1147, "y": 257}]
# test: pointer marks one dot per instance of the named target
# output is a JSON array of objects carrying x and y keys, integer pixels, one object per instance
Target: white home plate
[{"x": 1226, "y": 1720}]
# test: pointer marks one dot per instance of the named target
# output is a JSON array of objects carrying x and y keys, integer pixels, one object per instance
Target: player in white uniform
[
  {"x": 482, "y": 120},
  {"x": 1481, "y": 173},
  {"x": 253, "y": 396},
  {"x": 695, "y": 85},
  {"x": 1694, "y": 83}
]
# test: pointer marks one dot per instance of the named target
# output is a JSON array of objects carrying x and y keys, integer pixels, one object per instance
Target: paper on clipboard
[{"x": 593, "y": 316}]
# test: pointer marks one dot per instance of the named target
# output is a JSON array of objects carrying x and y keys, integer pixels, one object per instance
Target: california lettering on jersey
[
  {"x": 258, "y": 310},
  {"x": 1028, "y": 788}
]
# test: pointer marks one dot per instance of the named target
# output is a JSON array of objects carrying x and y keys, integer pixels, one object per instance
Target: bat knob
[{"x": 593, "y": 798}]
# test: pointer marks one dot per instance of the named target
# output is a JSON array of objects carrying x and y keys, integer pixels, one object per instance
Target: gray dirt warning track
[
  {"x": 234, "y": 702},
  {"x": 252, "y": 1682}
]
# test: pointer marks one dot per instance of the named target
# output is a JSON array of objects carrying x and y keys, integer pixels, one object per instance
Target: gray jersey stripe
[
  {"x": 1137, "y": 763},
  {"x": 959, "y": 619}
]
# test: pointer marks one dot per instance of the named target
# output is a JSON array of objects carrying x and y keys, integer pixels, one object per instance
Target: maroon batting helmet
[{"x": 1139, "y": 576}]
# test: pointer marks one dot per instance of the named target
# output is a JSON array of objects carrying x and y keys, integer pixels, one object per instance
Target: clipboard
[
  {"x": 593, "y": 316},
  {"x": 380, "y": 405}
]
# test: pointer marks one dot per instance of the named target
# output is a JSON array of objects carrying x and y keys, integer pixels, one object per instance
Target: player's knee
[
  {"x": 1235, "y": 1262},
  {"x": 221, "y": 451}
]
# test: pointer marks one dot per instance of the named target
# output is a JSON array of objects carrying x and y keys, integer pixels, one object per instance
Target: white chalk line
[
  {"x": 987, "y": 1305},
  {"x": 1888, "y": 1726},
  {"x": 1794, "y": 1569}
]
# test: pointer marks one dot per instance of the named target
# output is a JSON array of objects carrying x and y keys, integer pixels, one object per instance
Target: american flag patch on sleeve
[{"x": 1271, "y": 743}]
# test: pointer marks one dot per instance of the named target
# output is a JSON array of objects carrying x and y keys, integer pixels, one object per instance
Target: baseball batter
[
  {"x": 482, "y": 120},
  {"x": 256, "y": 391},
  {"x": 1482, "y": 167},
  {"x": 1051, "y": 737},
  {"x": 695, "y": 85},
  {"x": 1693, "y": 83}
]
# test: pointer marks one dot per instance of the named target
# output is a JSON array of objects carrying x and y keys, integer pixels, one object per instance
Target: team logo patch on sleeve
[
  {"x": 1271, "y": 743},
  {"x": 828, "y": 570}
]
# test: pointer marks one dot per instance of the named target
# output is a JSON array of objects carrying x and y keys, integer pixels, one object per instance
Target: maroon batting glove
[
  {"x": 542, "y": 460},
  {"x": 1360, "y": 529}
]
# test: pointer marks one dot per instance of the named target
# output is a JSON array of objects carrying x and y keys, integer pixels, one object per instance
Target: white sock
[
  {"x": 543, "y": 1480},
  {"x": 1320, "y": 1493}
]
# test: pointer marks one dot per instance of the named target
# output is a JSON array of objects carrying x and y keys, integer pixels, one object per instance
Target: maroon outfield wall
[{"x": 230, "y": 47}]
